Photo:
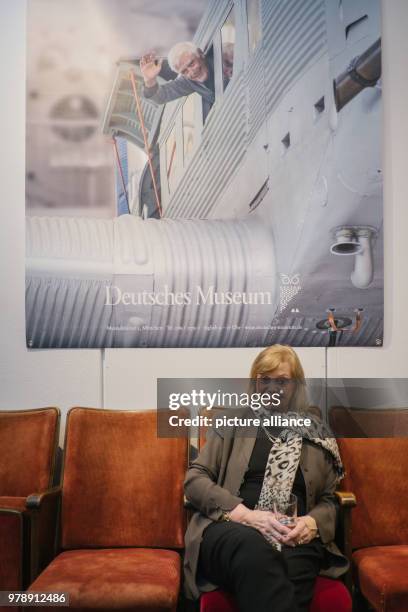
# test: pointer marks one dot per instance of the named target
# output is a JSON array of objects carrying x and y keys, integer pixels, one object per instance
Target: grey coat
[
  {"x": 212, "y": 485},
  {"x": 178, "y": 88}
]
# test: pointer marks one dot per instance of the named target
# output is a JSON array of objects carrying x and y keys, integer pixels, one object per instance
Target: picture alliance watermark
[{"x": 275, "y": 420}]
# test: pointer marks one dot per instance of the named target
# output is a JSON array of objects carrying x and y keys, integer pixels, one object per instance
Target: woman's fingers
[
  {"x": 296, "y": 531},
  {"x": 299, "y": 534},
  {"x": 278, "y": 530},
  {"x": 271, "y": 535},
  {"x": 282, "y": 529},
  {"x": 270, "y": 527}
]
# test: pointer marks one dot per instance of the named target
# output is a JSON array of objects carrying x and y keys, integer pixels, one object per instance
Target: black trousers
[{"x": 238, "y": 559}]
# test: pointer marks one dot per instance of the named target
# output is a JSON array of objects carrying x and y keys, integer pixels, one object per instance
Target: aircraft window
[
  {"x": 254, "y": 24},
  {"x": 188, "y": 127},
  {"x": 228, "y": 48},
  {"x": 206, "y": 107},
  {"x": 209, "y": 56},
  {"x": 171, "y": 159}
]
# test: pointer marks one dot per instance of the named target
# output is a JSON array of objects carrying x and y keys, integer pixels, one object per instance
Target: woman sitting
[{"x": 234, "y": 540}]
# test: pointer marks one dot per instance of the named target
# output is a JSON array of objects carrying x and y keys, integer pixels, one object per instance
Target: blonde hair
[{"x": 270, "y": 359}]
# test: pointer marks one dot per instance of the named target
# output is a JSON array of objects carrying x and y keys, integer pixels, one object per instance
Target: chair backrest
[
  {"x": 376, "y": 472},
  {"x": 122, "y": 485},
  {"x": 28, "y": 441},
  {"x": 368, "y": 423}
]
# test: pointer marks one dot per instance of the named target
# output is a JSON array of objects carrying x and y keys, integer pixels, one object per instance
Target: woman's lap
[{"x": 239, "y": 559}]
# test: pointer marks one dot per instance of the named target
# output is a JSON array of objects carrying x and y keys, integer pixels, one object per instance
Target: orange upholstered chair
[
  {"x": 28, "y": 441},
  {"x": 122, "y": 515},
  {"x": 376, "y": 471}
]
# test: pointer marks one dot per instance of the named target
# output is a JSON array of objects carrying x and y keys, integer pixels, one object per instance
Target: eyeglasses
[{"x": 267, "y": 381}]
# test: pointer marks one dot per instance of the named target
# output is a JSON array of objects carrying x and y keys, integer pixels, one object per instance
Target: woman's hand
[
  {"x": 262, "y": 520},
  {"x": 304, "y": 531},
  {"x": 268, "y": 525}
]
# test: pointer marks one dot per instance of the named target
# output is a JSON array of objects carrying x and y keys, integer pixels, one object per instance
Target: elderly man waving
[{"x": 195, "y": 74}]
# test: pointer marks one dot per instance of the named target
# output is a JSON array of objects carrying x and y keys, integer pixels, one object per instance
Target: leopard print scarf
[{"x": 284, "y": 458}]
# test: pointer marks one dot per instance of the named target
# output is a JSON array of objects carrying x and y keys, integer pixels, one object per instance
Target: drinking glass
[{"x": 286, "y": 512}]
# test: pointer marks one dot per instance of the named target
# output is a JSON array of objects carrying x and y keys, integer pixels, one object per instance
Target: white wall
[{"x": 127, "y": 378}]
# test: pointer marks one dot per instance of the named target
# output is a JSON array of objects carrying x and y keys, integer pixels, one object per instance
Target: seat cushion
[
  {"x": 217, "y": 601},
  {"x": 118, "y": 579},
  {"x": 328, "y": 595},
  {"x": 13, "y": 503},
  {"x": 383, "y": 576}
]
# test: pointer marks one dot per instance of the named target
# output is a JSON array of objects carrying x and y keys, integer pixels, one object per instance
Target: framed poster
[{"x": 204, "y": 174}]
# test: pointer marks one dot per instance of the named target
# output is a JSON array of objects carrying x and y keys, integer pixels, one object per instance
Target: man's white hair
[{"x": 177, "y": 51}]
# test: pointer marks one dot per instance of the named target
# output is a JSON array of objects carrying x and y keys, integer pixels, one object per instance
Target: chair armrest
[
  {"x": 346, "y": 499},
  {"x": 36, "y": 500},
  {"x": 44, "y": 510},
  {"x": 346, "y": 502}
]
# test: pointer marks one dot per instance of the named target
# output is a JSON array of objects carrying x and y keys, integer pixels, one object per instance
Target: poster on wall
[{"x": 204, "y": 174}]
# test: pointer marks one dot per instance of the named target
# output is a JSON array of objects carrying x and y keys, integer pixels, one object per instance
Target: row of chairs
[
  {"x": 121, "y": 508},
  {"x": 112, "y": 536}
]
